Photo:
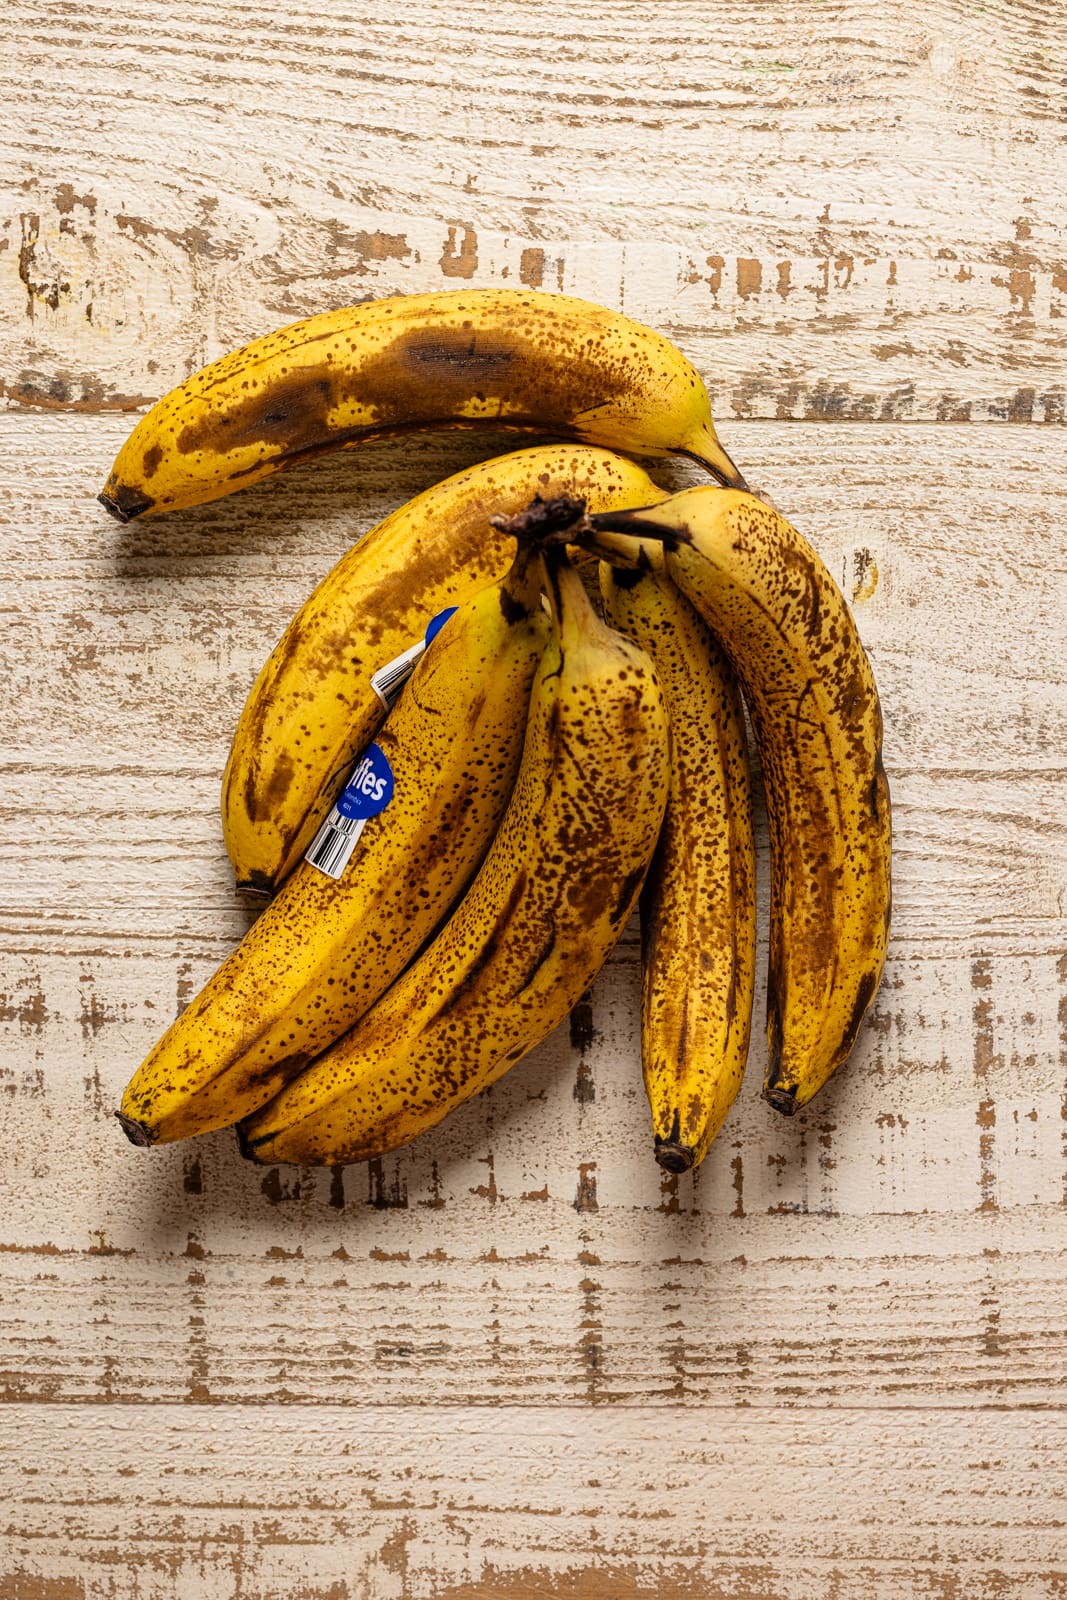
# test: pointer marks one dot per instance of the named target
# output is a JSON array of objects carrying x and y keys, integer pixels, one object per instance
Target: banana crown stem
[
  {"x": 544, "y": 522},
  {"x": 624, "y": 550},
  {"x": 545, "y": 528},
  {"x": 642, "y": 522}
]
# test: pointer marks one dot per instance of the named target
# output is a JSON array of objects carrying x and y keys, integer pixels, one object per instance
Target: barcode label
[
  {"x": 368, "y": 791},
  {"x": 388, "y": 681},
  {"x": 332, "y": 847}
]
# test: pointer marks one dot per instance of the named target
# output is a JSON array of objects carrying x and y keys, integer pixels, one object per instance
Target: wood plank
[
  {"x": 513, "y": 1503},
  {"x": 333, "y": 1290},
  {"x": 850, "y": 212},
  {"x": 516, "y": 1360}
]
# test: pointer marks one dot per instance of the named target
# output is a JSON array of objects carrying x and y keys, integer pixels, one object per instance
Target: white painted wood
[
  {"x": 516, "y": 1360},
  {"x": 593, "y": 1504},
  {"x": 839, "y": 210}
]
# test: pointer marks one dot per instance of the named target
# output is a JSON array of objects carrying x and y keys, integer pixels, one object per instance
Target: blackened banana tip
[
  {"x": 782, "y": 1100},
  {"x": 253, "y": 893},
  {"x": 113, "y": 510},
  {"x": 125, "y": 504},
  {"x": 674, "y": 1157},
  {"x": 729, "y": 480},
  {"x": 720, "y": 467},
  {"x": 135, "y": 1132}
]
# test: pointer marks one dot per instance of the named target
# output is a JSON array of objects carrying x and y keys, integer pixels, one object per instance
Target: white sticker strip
[
  {"x": 332, "y": 847},
  {"x": 388, "y": 681}
]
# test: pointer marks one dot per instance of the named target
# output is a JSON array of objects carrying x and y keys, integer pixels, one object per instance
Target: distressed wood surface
[
  {"x": 516, "y": 1360},
  {"x": 576, "y": 1512},
  {"x": 870, "y": 1296},
  {"x": 839, "y": 209}
]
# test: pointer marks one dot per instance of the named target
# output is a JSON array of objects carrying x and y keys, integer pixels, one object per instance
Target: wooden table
[{"x": 516, "y": 1360}]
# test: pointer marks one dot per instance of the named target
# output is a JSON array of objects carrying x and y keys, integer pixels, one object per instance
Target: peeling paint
[{"x": 460, "y": 261}]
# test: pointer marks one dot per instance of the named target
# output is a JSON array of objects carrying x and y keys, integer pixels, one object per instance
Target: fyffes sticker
[
  {"x": 370, "y": 788},
  {"x": 368, "y": 791},
  {"x": 388, "y": 681}
]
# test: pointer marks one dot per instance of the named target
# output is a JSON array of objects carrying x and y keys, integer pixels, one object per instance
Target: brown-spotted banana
[
  {"x": 698, "y": 903},
  {"x": 495, "y": 358},
  {"x": 811, "y": 695},
  {"x": 548, "y": 905},
  {"x": 443, "y": 767},
  {"x": 314, "y": 706}
]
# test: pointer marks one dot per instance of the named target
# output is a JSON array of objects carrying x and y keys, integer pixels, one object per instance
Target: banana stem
[
  {"x": 573, "y": 617},
  {"x": 544, "y": 522},
  {"x": 622, "y": 549},
  {"x": 615, "y": 536},
  {"x": 520, "y": 589},
  {"x": 640, "y": 522}
]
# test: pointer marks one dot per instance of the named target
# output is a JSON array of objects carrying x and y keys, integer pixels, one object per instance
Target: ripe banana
[
  {"x": 313, "y": 708},
  {"x": 550, "y": 901},
  {"x": 698, "y": 904},
  {"x": 811, "y": 695},
  {"x": 497, "y": 358},
  {"x": 326, "y": 948}
]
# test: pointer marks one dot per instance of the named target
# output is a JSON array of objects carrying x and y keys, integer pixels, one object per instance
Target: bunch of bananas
[{"x": 457, "y": 774}]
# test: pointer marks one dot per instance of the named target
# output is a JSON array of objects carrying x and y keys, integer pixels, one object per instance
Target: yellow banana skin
[
  {"x": 497, "y": 358},
  {"x": 698, "y": 903},
  {"x": 325, "y": 949},
  {"x": 811, "y": 695},
  {"x": 312, "y": 710},
  {"x": 540, "y": 919}
]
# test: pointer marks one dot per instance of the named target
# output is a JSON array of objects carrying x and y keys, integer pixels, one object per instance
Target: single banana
[
  {"x": 327, "y": 947},
  {"x": 698, "y": 904},
  {"x": 314, "y": 708},
  {"x": 540, "y": 919},
  {"x": 811, "y": 695},
  {"x": 496, "y": 358}
]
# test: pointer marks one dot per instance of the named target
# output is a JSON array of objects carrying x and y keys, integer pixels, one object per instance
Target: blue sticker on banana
[
  {"x": 388, "y": 681},
  {"x": 370, "y": 788},
  {"x": 437, "y": 623},
  {"x": 367, "y": 792}
]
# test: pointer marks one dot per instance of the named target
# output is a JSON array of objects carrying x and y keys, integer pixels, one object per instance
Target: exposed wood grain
[
  {"x": 592, "y": 1506},
  {"x": 844, "y": 210},
  {"x": 516, "y": 1360}
]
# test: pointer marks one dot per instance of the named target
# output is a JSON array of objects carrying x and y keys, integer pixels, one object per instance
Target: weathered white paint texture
[
  {"x": 516, "y": 1360},
  {"x": 839, "y": 209}
]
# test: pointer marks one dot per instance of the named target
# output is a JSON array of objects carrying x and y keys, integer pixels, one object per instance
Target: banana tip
[
  {"x": 125, "y": 504},
  {"x": 253, "y": 892},
  {"x": 704, "y": 448},
  {"x": 135, "y": 1131},
  {"x": 783, "y": 1100},
  {"x": 674, "y": 1157},
  {"x": 723, "y": 471}
]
